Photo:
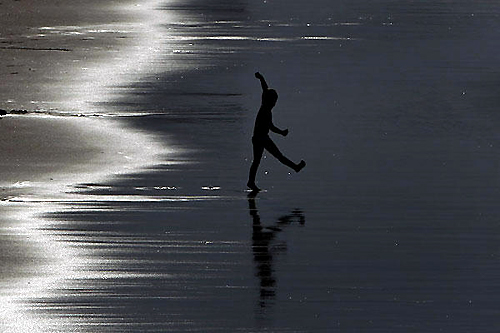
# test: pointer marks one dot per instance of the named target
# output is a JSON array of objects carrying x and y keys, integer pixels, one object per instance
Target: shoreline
[
  {"x": 67, "y": 133},
  {"x": 48, "y": 152},
  {"x": 51, "y": 152},
  {"x": 101, "y": 149}
]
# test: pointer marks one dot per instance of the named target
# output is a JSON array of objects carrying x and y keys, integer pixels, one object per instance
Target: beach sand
[
  {"x": 44, "y": 157},
  {"x": 47, "y": 143},
  {"x": 391, "y": 227}
]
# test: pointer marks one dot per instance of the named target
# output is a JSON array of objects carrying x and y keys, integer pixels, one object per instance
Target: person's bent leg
[{"x": 273, "y": 150}]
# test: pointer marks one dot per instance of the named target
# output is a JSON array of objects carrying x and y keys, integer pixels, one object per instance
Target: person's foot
[
  {"x": 300, "y": 166},
  {"x": 253, "y": 187}
]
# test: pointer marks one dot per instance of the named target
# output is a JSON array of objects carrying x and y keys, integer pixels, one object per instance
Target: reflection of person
[
  {"x": 264, "y": 249},
  {"x": 261, "y": 139},
  {"x": 261, "y": 246}
]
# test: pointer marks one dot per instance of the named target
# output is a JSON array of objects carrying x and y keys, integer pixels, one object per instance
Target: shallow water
[{"x": 391, "y": 226}]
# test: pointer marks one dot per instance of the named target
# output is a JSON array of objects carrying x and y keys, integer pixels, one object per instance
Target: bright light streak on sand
[
  {"x": 123, "y": 150},
  {"x": 127, "y": 63},
  {"x": 57, "y": 265},
  {"x": 60, "y": 266},
  {"x": 126, "y": 152}
]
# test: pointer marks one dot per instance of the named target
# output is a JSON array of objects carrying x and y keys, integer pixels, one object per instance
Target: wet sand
[
  {"x": 391, "y": 227},
  {"x": 50, "y": 142}
]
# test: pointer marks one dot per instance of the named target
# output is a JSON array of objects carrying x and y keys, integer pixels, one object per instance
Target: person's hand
[
  {"x": 258, "y": 75},
  {"x": 284, "y": 132}
]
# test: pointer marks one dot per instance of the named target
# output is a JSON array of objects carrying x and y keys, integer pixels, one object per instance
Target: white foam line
[
  {"x": 326, "y": 38},
  {"x": 112, "y": 198},
  {"x": 257, "y": 39}
]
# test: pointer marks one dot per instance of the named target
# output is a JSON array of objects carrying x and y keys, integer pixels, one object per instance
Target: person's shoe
[
  {"x": 253, "y": 187},
  {"x": 300, "y": 166}
]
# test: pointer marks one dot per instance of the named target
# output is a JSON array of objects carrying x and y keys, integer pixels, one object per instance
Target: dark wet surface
[{"x": 391, "y": 227}]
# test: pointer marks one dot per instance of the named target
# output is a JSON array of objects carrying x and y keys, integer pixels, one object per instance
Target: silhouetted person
[{"x": 261, "y": 139}]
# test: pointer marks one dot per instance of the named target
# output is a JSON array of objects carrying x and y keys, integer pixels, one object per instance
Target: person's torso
[{"x": 263, "y": 122}]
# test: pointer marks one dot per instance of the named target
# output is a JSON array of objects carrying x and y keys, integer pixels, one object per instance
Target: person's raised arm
[{"x": 262, "y": 81}]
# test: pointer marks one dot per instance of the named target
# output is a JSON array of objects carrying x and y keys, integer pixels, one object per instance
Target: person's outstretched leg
[
  {"x": 258, "y": 150},
  {"x": 273, "y": 149}
]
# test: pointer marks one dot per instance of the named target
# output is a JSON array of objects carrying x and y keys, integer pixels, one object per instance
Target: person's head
[{"x": 269, "y": 97}]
